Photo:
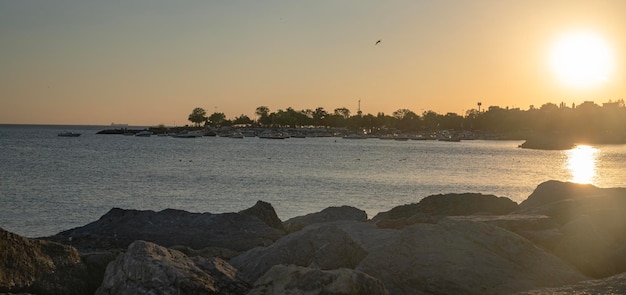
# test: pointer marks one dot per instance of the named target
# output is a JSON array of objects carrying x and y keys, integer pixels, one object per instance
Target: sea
[{"x": 49, "y": 183}]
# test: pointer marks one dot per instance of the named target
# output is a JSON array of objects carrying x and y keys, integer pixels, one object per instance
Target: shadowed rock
[
  {"x": 40, "y": 267},
  {"x": 266, "y": 213},
  {"x": 611, "y": 285},
  {"x": 119, "y": 228},
  {"x": 291, "y": 279},
  {"x": 433, "y": 208},
  {"x": 326, "y": 215},
  {"x": 454, "y": 257},
  {"x": 324, "y": 247},
  {"x": 147, "y": 268},
  {"x": 590, "y": 224}
]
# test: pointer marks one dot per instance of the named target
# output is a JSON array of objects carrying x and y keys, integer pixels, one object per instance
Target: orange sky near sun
[{"x": 151, "y": 62}]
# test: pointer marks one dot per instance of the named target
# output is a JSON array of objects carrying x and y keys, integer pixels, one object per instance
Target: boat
[
  {"x": 236, "y": 134},
  {"x": 355, "y": 136},
  {"x": 143, "y": 133},
  {"x": 188, "y": 134},
  {"x": 68, "y": 134}
]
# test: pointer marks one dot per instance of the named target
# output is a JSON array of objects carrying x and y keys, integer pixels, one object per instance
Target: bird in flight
[{"x": 377, "y": 42}]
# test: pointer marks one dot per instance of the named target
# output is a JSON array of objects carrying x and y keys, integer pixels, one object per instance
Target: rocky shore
[{"x": 564, "y": 238}]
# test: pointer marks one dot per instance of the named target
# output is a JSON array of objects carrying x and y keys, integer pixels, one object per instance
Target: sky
[{"x": 151, "y": 62}]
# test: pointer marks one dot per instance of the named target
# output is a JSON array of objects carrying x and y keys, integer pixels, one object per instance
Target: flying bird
[{"x": 377, "y": 42}]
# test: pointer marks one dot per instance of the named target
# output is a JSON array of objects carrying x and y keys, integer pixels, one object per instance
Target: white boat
[{"x": 68, "y": 134}]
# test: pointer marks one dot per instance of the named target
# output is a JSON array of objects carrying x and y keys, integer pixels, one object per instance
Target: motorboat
[
  {"x": 143, "y": 133},
  {"x": 68, "y": 134}
]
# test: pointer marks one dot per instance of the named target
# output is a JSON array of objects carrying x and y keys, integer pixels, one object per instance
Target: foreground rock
[
  {"x": 611, "y": 285},
  {"x": 283, "y": 279},
  {"x": 326, "y": 215},
  {"x": 433, "y": 208},
  {"x": 589, "y": 225},
  {"x": 40, "y": 267},
  {"x": 119, "y": 228},
  {"x": 326, "y": 247},
  {"x": 147, "y": 268},
  {"x": 454, "y": 257}
]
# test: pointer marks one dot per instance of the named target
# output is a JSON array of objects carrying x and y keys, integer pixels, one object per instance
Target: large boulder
[
  {"x": 266, "y": 213},
  {"x": 459, "y": 257},
  {"x": 553, "y": 191},
  {"x": 292, "y": 279},
  {"x": 435, "y": 207},
  {"x": 40, "y": 267},
  {"x": 327, "y": 215},
  {"x": 147, "y": 268},
  {"x": 589, "y": 224},
  {"x": 324, "y": 247},
  {"x": 119, "y": 228}
]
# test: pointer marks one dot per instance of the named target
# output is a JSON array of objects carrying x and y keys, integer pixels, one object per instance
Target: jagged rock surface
[
  {"x": 147, "y": 268},
  {"x": 40, "y": 267},
  {"x": 291, "y": 279}
]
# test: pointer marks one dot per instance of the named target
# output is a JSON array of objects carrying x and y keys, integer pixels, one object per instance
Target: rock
[
  {"x": 266, "y": 213},
  {"x": 458, "y": 257},
  {"x": 324, "y": 247},
  {"x": 327, "y": 215},
  {"x": 283, "y": 279},
  {"x": 548, "y": 143},
  {"x": 40, "y": 267},
  {"x": 147, "y": 268},
  {"x": 119, "y": 228},
  {"x": 553, "y": 191},
  {"x": 435, "y": 207},
  {"x": 611, "y": 285},
  {"x": 590, "y": 224}
]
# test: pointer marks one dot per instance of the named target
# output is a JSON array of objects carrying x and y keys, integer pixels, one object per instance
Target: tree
[
  {"x": 243, "y": 120},
  {"x": 343, "y": 112},
  {"x": 263, "y": 113},
  {"x": 217, "y": 119},
  {"x": 197, "y": 116}
]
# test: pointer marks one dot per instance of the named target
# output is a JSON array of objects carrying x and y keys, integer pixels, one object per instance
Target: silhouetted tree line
[{"x": 587, "y": 119}]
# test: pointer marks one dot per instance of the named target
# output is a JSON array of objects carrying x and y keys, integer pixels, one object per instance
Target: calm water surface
[{"x": 50, "y": 183}]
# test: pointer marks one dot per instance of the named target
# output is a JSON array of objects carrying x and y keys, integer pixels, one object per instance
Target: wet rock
[
  {"x": 119, "y": 228},
  {"x": 147, "y": 268},
  {"x": 40, "y": 267},
  {"x": 327, "y": 215},
  {"x": 291, "y": 279},
  {"x": 323, "y": 247},
  {"x": 458, "y": 257}
]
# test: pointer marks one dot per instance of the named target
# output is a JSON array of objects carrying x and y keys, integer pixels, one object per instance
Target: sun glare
[
  {"x": 581, "y": 60},
  {"x": 581, "y": 163}
]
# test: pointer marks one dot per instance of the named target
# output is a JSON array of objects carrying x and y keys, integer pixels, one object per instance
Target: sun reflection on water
[{"x": 581, "y": 163}]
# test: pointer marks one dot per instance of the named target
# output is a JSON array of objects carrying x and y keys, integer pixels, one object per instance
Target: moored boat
[{"x": 68, "y": 134}]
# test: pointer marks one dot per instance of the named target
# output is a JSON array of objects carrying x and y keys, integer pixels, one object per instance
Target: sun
[{"x": 581, "y": 59}]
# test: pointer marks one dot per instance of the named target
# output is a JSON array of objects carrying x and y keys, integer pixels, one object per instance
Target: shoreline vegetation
[
  {"x": 550, "y": 126},
  {"x": 564, "y": 238}
]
